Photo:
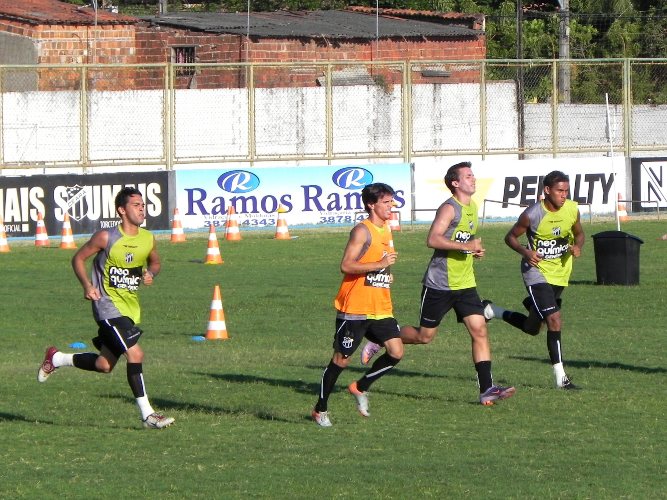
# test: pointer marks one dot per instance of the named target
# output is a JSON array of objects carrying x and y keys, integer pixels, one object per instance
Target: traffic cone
[
  {"x": 232, "y": 226},
  {"x": 41, "y": 237},
  {"x": 177, "y": 234},
  {"x": 213, "y": 253},
  {"x": 622, "y": 213},
  {"x": 67, "y": 240},
  {"x": 4, "y": 246},
  {"x": 282, "y": 233},
  {"x": 217, "y": 329},
  {"x": 394, "y": 221}
]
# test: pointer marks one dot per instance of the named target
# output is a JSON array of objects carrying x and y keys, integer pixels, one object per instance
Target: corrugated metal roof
[
  {"x": 321, "y": 23},
  {"x": 55, "y": 12}
]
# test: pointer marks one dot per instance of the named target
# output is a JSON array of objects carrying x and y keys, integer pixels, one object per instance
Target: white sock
[
  {"x": 145, "y": 407},
  {"x": 498, "y": 311},
  {"x": 559, "y": 373},
  {"x": 63, "y": 359}
]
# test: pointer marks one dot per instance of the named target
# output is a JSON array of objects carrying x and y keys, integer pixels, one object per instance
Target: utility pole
[{"x": 564, "y": 70}]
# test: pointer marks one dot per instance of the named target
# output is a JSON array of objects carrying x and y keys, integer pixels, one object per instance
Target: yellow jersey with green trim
[
  {"x": 453, "y": 269},
  {"x": 367, "y": 295},
  {"x": 117, "y": 274},
  {"x": 550, "y": 235}
]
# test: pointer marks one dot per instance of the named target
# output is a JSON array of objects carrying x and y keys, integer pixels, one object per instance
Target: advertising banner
[
  {"x": 320, "y": 196},
  {"x": 649, "y": 184},
  {"x": 88, "y": 199},
  {"x": 506, "y": 186}
]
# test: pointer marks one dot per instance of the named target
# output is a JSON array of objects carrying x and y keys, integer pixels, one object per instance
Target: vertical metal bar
[
  {"x": 406, "y": 95},
  {"x": 84, "y": 155},
  {"x": 627, "y": 107},
  {"x": 329, "y": 112},
  {"x": 169, "y": 116},
  {"x": 250, "y": 85},
  {"x": 483, "y": 134},
  {"x": 554, "y": 108},
  {"x": 2, "y": 122}
]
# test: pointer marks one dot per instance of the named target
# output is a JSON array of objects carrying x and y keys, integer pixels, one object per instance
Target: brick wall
[{"x": 155, "y": 45}]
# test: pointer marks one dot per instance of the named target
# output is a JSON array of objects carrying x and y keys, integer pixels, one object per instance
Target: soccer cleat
[
  {"x": 494, "y": 393},
  {"x": 157, "y": 421},
  {"x": 321, "y": 418},
  {"x": 362, "y": 399},
  {"x": 488, "y": 310},
  {"x": 369, "y": 350},
  {"x": 566, "y": 384},
  {"x": 47, "y": 367}
]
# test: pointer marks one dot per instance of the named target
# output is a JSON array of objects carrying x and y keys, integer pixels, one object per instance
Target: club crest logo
[
  {"x": 129, "y": 257},
  {"x": 77, "y": 202}
]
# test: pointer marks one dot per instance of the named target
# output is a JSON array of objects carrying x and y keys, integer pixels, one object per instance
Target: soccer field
[{"x": 242, "y": 405}]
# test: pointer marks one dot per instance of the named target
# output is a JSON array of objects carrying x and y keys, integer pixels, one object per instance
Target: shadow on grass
[
  {"x": 398, "y": 372},
  {"x": 597, "y": 364},
  {"x": 313, "y": 388},
  {"x": 583, "y": 282},
  {"x": 168, "y": 404},
  {"x": 9, "y": 417}
]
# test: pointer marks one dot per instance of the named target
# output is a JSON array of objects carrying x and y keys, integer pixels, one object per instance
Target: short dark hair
[
  {"x": 124, "y": 194},
  {"x": 372, "y": 193},
  {"x": 553, "y": 178},
  {"x": 453, "y": 173}
]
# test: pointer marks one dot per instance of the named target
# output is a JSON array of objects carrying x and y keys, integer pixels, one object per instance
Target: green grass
[{"x": 242, "y": 405}]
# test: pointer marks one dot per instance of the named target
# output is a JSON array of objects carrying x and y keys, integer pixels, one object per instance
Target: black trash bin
[{"x": 616, "y": 258}]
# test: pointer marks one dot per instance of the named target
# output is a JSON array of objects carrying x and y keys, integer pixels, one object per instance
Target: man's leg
[
  {"x": 481, "y": 356},
  {"x": 135, "y": 378}
]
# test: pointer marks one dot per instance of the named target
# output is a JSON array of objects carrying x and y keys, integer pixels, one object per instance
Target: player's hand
[
  {"x": 92, "y": 293},
  {"x": 575, "y": 250},
  {"x": 148, "y": 277},
  {"x": 478, "y": 250},
  {"x": 389, "y": 259},
  {"x": 533, "y": 258}
]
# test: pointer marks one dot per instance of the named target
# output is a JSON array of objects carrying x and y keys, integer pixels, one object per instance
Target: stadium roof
[{"x": 338, "y": 24}]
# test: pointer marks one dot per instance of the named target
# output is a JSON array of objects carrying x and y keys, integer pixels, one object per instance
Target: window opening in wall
[{"x": 183, "y": 55}]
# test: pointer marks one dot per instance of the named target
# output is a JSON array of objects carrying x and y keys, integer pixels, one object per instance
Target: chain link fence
[{"x": 172, "y": 114}]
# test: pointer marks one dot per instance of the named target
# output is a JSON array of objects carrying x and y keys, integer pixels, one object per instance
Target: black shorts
[
  {"x": 545, "y": 298},
  {"x": 117, "y": 334},
  {"x": 436, "y": 303},
  {"x": 350, "y": 332}
]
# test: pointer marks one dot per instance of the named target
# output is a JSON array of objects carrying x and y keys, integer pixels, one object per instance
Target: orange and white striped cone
[
  {"x": 622, "y": 212},
  {"x": 217, "y": 328},
  {"x": 232, "y": 232},
  {"x": 4, "y": 246},
  {"x": 177, "y": 234},
  {"x": 67, "y": 238},
  {"x": 282, "y": 233},
  {"x": 213, "y": 252},
  {"x": 394, "y": 221},
  {"x": 41, "y": 237}
]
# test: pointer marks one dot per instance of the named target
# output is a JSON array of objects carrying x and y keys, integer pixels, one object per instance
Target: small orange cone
[
  {"x": 4, "y": 246},
  {"x": 622, "y": 213},
  {"x": 282, "y": 233},
  {"x": 41, "y": 237},
  {"x": 232, "y": 226},
  {"x": 217, "y": 329},
  {"x": 395, "y": 221},
  {"x": 177, "y": 234},
  {"x": 67, "y": 240},
  {"x": 213, "y": 253}
]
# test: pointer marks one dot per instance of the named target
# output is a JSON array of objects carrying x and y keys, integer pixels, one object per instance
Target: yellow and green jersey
[
  {"x": 453, "y": 269},
  {"x": 550, "y": 235},
  {"x": 117, "y": 274}
]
